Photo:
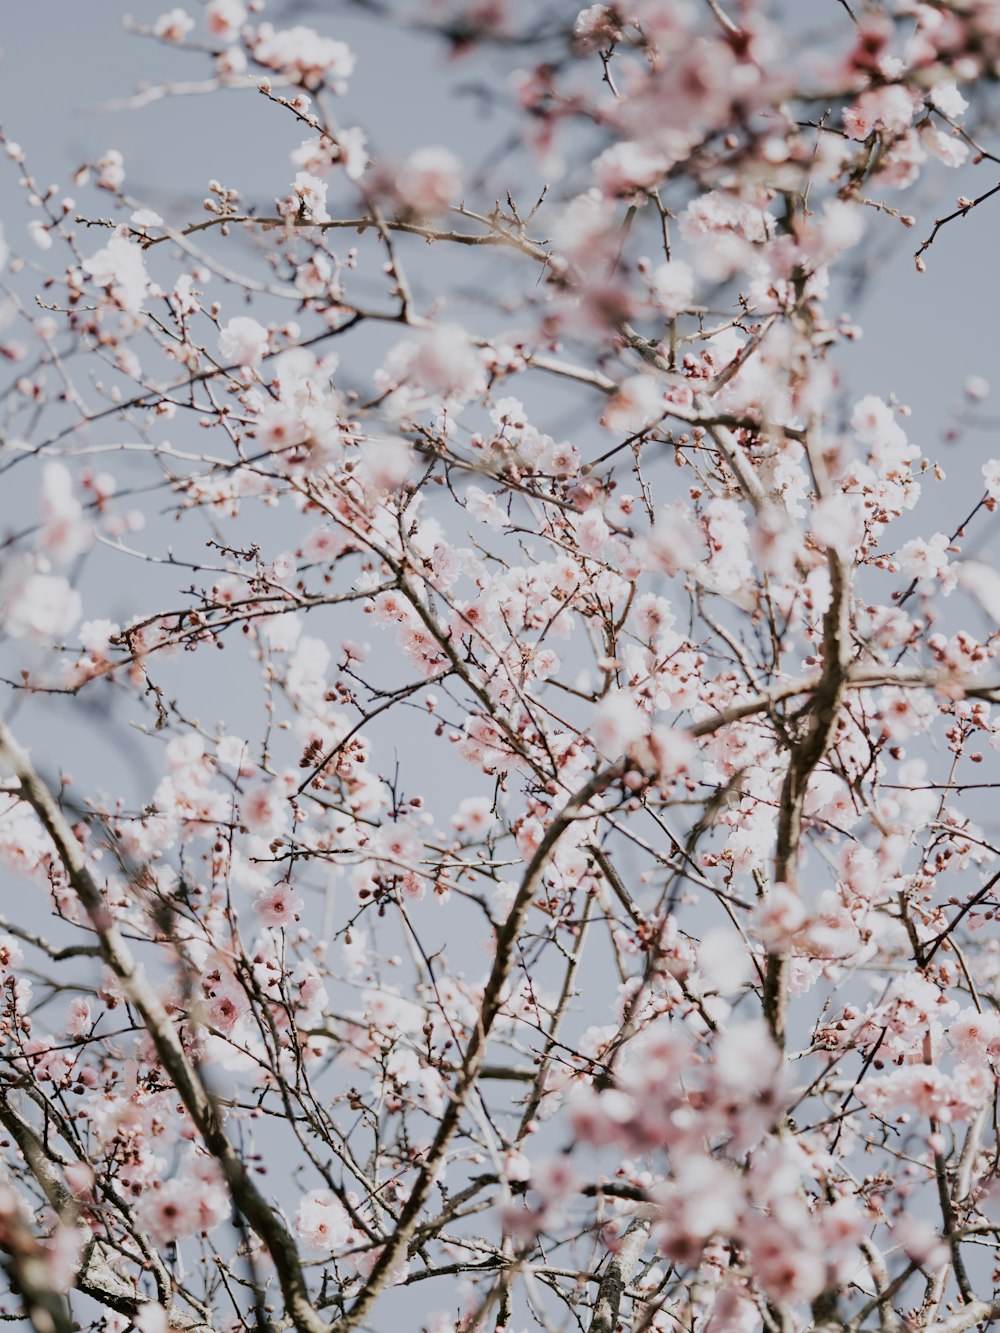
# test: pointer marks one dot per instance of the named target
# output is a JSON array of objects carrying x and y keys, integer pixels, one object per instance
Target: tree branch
[{"x": 259, "y": 1213}]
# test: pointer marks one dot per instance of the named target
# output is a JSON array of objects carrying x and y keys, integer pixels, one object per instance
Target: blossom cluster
[{"x": 547, "y": 859}]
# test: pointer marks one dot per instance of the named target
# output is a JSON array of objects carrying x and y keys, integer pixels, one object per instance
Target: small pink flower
[
  {"x": 151, "y": 1318},
  {"x": 78, "y": 1017},
  {"x": 11, "y": 954},
  {"x": 448, "y": 364},
  {"x": 618, "y": 722},
  {"x": 223, "y": 18},
  {"x": 44, "y": 606},
  {"x": 595, "y": 28},
  {"x": 972, "y": 1032},
  {"x": 430, "y": 181},
  {"x": 264, "y": 810},
  {"x": 170, "y": 1211},
  {"x": 243, "y": 341},
  {"x": 121, "y": 268},
  {"x": 474, "y": 816},
  {"x": 554, "y": 1180},
  {"x": 278, "y": 906},
  {"x": 323, "y": 1222},
  {"x": 398, "y": 843},
  {"x": 173, "y": 26},
  {"x": 302, "y": 55},
  {"x": 637, "y": 404},
  {"x": 673, "y": 287}
]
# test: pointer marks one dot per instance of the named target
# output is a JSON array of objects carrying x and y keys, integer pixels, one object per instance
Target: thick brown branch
[
  {"x": 496, "y": 236},
  {"x": 493, "y": 998},
  {"x": 617, "y": 1275},
  {"x": 821, "y": 723}
]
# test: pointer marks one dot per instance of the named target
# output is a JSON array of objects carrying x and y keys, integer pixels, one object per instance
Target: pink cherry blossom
[
  {"x": 243, "y": 341},
  {"x": 972, "y": 1033},
  {"x": 78, "y": 1018},
  {"x": 278, "y": 905},
  {"x": 169, "y": 1210},
  {"x": 499, "y": 743},
  {"x": 596, "y": 27},
  {"x": 323, "y": 1222},
  {"x": 43, "y": 606},
  {"x": 302, "y": 54},
  {"x": 925, "y": 558},
  {"x": 447, "y": 364},
  {"x": 619, "y": 721},
  {"x": 173, "y": 26},
  {"x": 673, "y": 287},
  {"x": 223, "y": 18},
  {"x": 151, "y": 1318},
  {"x": 429, "y": 181},
  {"x": 121, "y": 268},
  {"x": 637, "y": 403}
]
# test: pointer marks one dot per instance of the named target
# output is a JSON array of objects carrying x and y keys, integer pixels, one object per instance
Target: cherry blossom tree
[{"x": 554, "y": 887}]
